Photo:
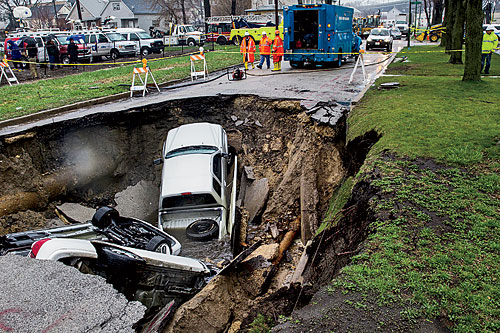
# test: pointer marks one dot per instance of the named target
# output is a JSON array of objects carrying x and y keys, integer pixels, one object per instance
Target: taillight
[
  {"x": 186, "y": 193},
  {"x": 36, "y": 247}
]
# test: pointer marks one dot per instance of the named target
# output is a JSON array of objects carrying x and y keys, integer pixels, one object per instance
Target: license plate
[
  {"x": 377, "y": 43},
  {"x": 288, "y": 51}
]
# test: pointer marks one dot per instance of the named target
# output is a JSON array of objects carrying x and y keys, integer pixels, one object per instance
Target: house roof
[{"x": 141, "y": 7}]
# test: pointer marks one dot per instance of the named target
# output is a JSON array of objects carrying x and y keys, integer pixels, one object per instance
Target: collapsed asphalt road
[{"x": 46, "y": 296}]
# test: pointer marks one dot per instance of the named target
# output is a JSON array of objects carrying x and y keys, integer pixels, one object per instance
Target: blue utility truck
[{"x": 318, "y": 34}]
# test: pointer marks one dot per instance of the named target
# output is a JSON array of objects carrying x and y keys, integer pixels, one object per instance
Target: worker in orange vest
[
  {"x": 277, "y": 51},
  {"x": 265, "y": 51},
  {"x": 247, "y": 48}
]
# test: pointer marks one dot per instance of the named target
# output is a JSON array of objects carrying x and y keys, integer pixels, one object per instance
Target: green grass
[
  {"x": 46, "y": 94},
  {"x": 435, "y": 246}
]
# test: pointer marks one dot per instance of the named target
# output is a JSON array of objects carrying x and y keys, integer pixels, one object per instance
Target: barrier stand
[
  {"x": 5, "y": 69},
  {"x": 198, "y": 57},
  {"x": 360, "y": 60},
  {"x": 137, "y": 71}
]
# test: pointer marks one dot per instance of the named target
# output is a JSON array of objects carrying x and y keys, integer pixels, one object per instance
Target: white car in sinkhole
[{"x": 198, "y": 183}]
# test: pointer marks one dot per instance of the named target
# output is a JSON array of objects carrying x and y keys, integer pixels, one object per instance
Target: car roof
[
  {"x": 187, "y": 173},
  {"x": 196, "y": 134}
]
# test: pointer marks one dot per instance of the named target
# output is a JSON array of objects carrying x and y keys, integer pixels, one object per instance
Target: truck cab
[
  {"x": 183, "y": 34},
  {"x": 197, "y": 182},
  {"x": 317, "y": 34}
]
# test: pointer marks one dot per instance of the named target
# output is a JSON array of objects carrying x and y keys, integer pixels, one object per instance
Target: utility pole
[
  {"x": 55, "y": 12},
  {"x": 277, "y": 18},
  {"x": 79, "y": 10}
]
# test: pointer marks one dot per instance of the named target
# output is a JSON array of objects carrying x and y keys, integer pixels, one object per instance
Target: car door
[
  {"x": 41, "y": 51},
  {"x": 134, "y": 38},
  {"x": 104, "y": 45}
]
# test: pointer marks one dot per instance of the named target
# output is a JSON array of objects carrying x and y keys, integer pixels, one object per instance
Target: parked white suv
[
  {"x": 110, "y": 46},
  {"x": 198, "y": 185},
  {"x": 142, "y": 40}
]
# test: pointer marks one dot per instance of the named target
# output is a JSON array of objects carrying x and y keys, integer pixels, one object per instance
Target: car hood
[
  {"x": 204, "y": 134},
  {"x": 186, "y": 173}
]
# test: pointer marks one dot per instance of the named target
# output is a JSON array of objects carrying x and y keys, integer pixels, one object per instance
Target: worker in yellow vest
[{"x": 490, "y": 43}]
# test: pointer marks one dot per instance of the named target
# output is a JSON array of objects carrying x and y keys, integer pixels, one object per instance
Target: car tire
[
  {"x": 104, "y": 216},
  {"x": 65, "y": 60},
  {"x": 158, "y": 244},
  {"x": 202, "y": 230},
  {"x": 191, "y": 42},
  {"x": 145, "y": 51},
  {"x": 221, "y": 40}
]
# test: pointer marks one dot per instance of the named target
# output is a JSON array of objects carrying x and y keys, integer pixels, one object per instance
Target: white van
[
  {"x": 111, "y": 46},
  {"x": 142, "y": 40}
]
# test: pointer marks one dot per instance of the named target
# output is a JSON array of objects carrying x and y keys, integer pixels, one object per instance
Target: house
[
  {"x": 45, "y": 15},
  {"x": 117, "y": 13}
]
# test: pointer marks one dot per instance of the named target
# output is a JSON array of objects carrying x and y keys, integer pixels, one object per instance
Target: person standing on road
[
  {"x": 31, "y": 51},
  {"x": 490, "y": 43},
  {"x": 73, "y": 53},
  {"x": 247, "y": 48},
  {"x": 53, "y": 53},
  {"x": 15, "y": 54},
  {"x": 277, "y": 51},
  {"x": 265, "y": 51},
  {"x": 357, "y": 45}
]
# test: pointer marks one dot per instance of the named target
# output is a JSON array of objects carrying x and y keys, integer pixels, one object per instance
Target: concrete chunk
[
  {"x": 77, "y": 212},
  {"x": 256, "y": 197},
  {"x": 139, "y": 201}
]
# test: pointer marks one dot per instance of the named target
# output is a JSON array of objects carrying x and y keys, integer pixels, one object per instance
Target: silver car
[{"x": 379, "y": 38}]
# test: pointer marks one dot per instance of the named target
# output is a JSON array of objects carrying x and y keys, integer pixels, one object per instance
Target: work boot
[
  {"x": 279, "y": 65},
  {"x": 246, "y": 65},
  {"x": 275, "y": 67},
  {"x": 253, "y": 66}
]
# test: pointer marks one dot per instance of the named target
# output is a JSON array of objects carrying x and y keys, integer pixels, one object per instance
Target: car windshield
[
  {"x": 143, "y": 35},
  {"x": 191, "y": 150},
  {"x": 189, "y": 28},
  {"x": 63, "y": 40},
  {"x": 380, "y": 32},
  {"x": 395, "y": 31},
  {"x": 115, "y": 37}
]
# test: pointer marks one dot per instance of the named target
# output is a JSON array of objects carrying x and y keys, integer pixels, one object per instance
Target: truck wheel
[
  {"x": 338, "y": 63},
  {"x": 297, "y": 64},
  {"x": 145, "y": 51},
  {"x": 202, "y": 230},
  {"x": 104, "y": 216},
  {"x": 191, "y": 42},
  {"x": 433, "y": 38},
  {"x": 236, "y": 40},
  {"x": 158, "y": 244},
  {"x": 221, "y": 40},
  {"x": 65, "y": 60}
]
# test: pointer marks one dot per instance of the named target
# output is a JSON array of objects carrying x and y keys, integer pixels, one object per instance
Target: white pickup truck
[
  {"x": 198, "y": 186},
  {"x": 183, "y": 35}
]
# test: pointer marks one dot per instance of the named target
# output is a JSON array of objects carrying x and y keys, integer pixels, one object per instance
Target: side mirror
[
  {"x": 224, "y": 155},
  {"x": 158, "y": 161}
]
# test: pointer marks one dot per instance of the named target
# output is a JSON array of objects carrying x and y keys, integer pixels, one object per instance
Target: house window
[{"x": 116, "y": 6}]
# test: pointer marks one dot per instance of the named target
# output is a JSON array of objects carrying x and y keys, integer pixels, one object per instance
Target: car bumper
[{"x": 377, "y": 44}]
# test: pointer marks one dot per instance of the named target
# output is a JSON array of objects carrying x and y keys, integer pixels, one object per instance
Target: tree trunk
[
  {"x": 473, "y": 41},
  {"x": 427, "y": 9},
  {"x": 457, "y": 34},
  {"x": 449, "y": 18},
  {"x": 437, "y": 12},
  {"x": 183, "y": 8}
]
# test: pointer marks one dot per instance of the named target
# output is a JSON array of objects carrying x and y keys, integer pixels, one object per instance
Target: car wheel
[
  {"x": 191, "y": 42},
  {"x": 65, "y": 60},
  {"x": 202, "y": 230},
  {"x": 114, "y": 54},
  {"x": 145, "y": 51},
  {"x": 104, "y": 216},
  {"x": 221, "y": 40},
  {"x": 158, "y": 244}
]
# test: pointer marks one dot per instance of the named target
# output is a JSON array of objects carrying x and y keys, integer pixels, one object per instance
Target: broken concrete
[
  {"x": 256, "y": 197},
  {"x": 47, "y": 296},
  {"x": 77, "y": 212},
  {"x": 139, "y": 201}
]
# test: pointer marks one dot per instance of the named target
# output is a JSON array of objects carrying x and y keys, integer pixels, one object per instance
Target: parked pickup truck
[
  {"x": 183, "y": 35},
  {"x": 198, "y": 185}
]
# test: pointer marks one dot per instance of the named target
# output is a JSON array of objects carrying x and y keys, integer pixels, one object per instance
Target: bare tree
[
  {"x": 473, "y": 40},
  {"x": 427, "y": 11},
  {"x": 8, "y": 6},
  {"x": 437, "y": 11},
  {"x": 224, "y": 7},
  {"x": 177, "y": 11}
]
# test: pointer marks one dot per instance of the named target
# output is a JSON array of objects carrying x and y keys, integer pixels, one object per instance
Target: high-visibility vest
[
  {"x": 278, "y": 46},
  {"x": 247, "y": 49},
  {"x": 265, "y": 46},
  {"x": 490, "y": 42}
]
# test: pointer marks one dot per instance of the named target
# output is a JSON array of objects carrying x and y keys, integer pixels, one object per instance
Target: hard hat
[
  {"x": 490, "y": 28},
  {"x": 277, "y": 32},
  {"x": 247, "y": 33},
  {"x": 264, "y": 33}
]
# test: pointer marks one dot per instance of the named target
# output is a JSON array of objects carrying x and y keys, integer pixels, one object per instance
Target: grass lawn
[
  {"x": 46, "y": 94},
  {"x": 435, "y": 243}
]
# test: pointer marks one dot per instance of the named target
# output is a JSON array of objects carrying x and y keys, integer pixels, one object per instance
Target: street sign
[{"x": 416, "y": 2}]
